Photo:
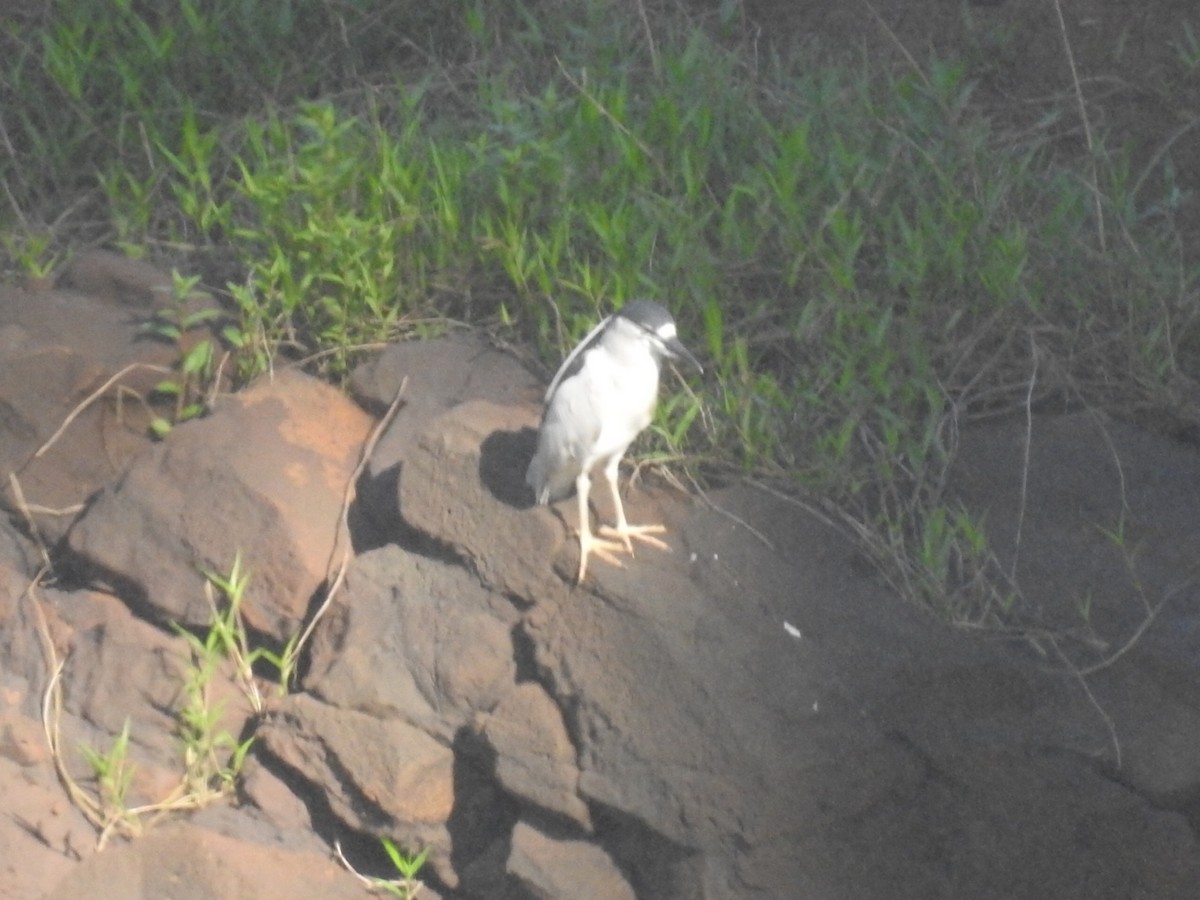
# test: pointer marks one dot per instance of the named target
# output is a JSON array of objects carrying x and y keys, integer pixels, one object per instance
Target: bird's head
[{"x": 657, "y": 326}]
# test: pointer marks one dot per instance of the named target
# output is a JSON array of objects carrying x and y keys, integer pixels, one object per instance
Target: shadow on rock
[{"x": 504, "y": 457}]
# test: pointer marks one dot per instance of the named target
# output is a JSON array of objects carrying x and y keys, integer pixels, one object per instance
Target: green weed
[
  {"x": 113, "y": 772},
  {"x": 1188, "y": 48},
  {"x": 227, "y": 638},
  {"x": 33, "y": 252},
  {"x": 197, "y": 371},
  {"x": 407, "y": 886},
  {"x": 212, "y": 757}
]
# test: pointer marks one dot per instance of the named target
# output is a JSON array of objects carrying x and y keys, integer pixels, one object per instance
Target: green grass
[
  {"x": 864, "y": 260},
  {"x": 113, "y": 772},
  {"x": 198, "y": 370},
  {"x": 211, "y": 757},
  {"x": 406, "y": 885}
]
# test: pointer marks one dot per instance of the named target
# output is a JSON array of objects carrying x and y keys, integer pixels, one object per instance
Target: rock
[
  {"x": 271, "y": 796},
  {"x": 57, "y": 349},
  {"x": 411, "y": 646},
  {"x": 187, "y": 863},
  {"x": 380, "y": 776},
  {"x": 109, "y": 651},
  {"x": 1120, "y": 503},
  {"x": 910, "y": 723},
  {"x": 78, "y": 358},
  {"x": 464, "y": 486},
  {"x": 416, "y": 639},
  {"x": 441, "y": 373},
  {"x": 118, "y": 280},
  {"x": 22, "y": 740},
  {"x": 549, "y": 869},
  {"x": 118, "y": 670},
  {"x": 19, "y": 560},
  {"x": 264, "y": 476},
  {"x": 535, "y": 758},
  {"x": 688, "y": 760},
  {"x": 42, "y": 835},
  {"x": 24, "y": 668}
]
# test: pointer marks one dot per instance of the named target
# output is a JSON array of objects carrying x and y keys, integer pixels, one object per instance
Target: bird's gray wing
[
  {"x": 570, "y": 427},
  {"x": 574, "y": 360}
]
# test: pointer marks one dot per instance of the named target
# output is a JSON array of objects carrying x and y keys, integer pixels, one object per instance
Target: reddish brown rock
[
  {"x": 118, "y": 280},
  {"x": 464, "y": 484},
  {"x": 550, "y": 869},
  {"x": 380, "y": 776},
  {"x": 70, "y": 359},
  {"x": 196, "y": 864},
  {"x": 414, "y": 638},
  {"x": 42, "y": 835},
  {"x": 437, "y": 375},
  {"x": 263, "y": 477},
  {"x": 535, "y": 758}
]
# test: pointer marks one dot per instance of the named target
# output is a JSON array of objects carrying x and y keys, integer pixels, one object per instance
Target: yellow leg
[
  {"x": 589, "y": 543},
  {"x": 623, "y": 530}
]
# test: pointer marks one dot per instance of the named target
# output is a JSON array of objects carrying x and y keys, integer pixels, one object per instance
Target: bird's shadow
[{"x": 503, "y": 459}]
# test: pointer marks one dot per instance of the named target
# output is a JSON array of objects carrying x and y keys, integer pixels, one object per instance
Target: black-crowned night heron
[{"x": 601, "y": 398}]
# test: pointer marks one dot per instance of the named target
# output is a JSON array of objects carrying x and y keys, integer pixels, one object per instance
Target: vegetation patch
[{"x": 867, "y": 255}]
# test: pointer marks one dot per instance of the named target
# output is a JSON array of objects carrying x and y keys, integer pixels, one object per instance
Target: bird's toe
[
  {"x": 605, "y": 551},
  {"x": 627, "y": 534}
]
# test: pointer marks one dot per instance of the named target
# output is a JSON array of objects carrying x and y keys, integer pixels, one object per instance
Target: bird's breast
[{"x": 626, "y": 399}]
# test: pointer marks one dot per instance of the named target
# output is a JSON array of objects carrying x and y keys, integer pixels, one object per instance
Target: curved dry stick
[
  {"x": 91, "y": 398},
  {"x": 1081, "y": 677},
  {"x": 1147, "y": 621},
  {"x": 52, "y": 715},
  {"x": 344, "y": 521},
  {"x": 1087, "y": 126},
  {"x": 27, "y": 513},
  {"x": 1025, "y": 463}
]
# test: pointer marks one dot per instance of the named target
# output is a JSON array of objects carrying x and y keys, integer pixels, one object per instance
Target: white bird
[{"x": 601, "y": 398}]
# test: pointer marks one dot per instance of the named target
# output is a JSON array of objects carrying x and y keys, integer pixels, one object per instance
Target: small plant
[
  {"x": 197, "y": 372},
  {"x": 407, "y": 886},
  {"x": 33, "y": 252},
  {"x": 114, "y": 772},
  {"x": 227, "y": 637},
  {"x": 408, "y": 866},
  {"x": 212, "y": 756},
  {"x": 1187, "y": 48}
]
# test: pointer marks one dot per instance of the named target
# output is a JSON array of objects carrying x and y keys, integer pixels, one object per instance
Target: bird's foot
[
  {"x": 605, "y": 550},
  {"x": 627, "y": 534}
]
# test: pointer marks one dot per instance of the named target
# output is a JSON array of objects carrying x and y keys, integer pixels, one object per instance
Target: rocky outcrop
[
  {"x": 75, "y": 358},
  {"x": 263, "y": 478},
  {"x": 197, "y": 863},
  {"x": 749, "y": 714}
]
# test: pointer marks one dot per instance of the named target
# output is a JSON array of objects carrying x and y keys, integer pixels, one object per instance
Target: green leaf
[{"x": 197, "y": 360}]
